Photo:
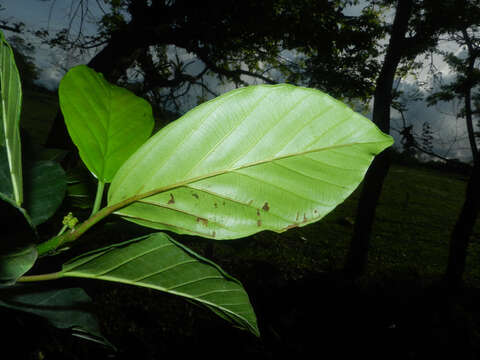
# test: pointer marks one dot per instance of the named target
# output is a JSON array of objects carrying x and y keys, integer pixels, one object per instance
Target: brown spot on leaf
[
  {"x": 202, "y": 220},
  {"x": 315, "y": 211},
  {"x": 258, "y": 212},
  {"x": 216, "y": 205},
  {"x": 266, "y": 207},
  {"x": 195, "y": 195},
  {"x": 214, "y": 234},
  {"x": 250, "y": 202},
  {"x": 296, "y": 218},
  {"x": 172, "y": 199},
  {"x": 289, "y": 227},
  {"x": 305, "y": 217},
  {"x": 259, "y": 222},
  {"x": 223, "y": 203}
]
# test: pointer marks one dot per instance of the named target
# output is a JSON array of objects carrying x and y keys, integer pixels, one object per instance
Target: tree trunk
[
  {"x": 472, "y": 57},
  {"x": 357, "y": 256},
  {"x": 463, "y": 229},
  {"x": 469, "y": 121}
]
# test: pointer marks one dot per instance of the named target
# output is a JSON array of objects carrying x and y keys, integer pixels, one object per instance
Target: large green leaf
[
  {"x": 106, "y": 122},
  {"x": 10, "y": 146},
  {"x": 18, "y": 252},
  {"x": 45, "y": 186},
  {"x": 157, "y": 261},
  {"x": 257, "y": 158},
  {"x": 16, "y": 262},
  {"x": 64, "y": 308}
]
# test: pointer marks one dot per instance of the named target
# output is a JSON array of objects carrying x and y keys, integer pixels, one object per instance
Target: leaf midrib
[
  {"x": 140, "y": 196},
  {"x": 160, "y": 288}
]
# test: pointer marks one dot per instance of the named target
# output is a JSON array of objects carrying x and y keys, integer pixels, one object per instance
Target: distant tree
[
  {"x": 427, "y": 137},
  {"x": 463, "y": 230},
  {"x": 13, "y": 26},
  {"x": 466, "y": 88},
  {"x": 343, "y": 59},
  {"x": 413, "y": 143},
  {"x": 418, "y": 143},
  {"x": 408, "y": 141},
  {"x": 400, "y": 101},
  {"x": 466, "y": 84},
  {"x": 415, "y": 29}
]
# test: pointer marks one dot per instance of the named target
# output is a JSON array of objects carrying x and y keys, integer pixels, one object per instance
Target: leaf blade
[
  {"x": 45, "y": 187},
  {"x": 11, "y": 100},
  {"x": 17, "y": 249},
  {"x": 106, "y": 122},
  {"x": 157, "y": 261},
  {"x": 64, "y": 308},
  {"x": 259, "y": 158}
]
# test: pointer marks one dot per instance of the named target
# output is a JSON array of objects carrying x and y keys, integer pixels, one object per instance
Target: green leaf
[
  {"x": 10, "y": 146},
  {"x": 16, "y": 262},
  {"x": 157, "y": 261},
  {"x": 106, "y": 122},
  {"x": 17, "y": 251},
  {"x": 257, "y": 158},
  {"x": 64, "y": 308},
  {"x": 45, "y": 186},
  {"x": 80, "y": 187}
]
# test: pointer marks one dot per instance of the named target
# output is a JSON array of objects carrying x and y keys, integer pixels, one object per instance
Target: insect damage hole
[{"x": 203, "y": 221}]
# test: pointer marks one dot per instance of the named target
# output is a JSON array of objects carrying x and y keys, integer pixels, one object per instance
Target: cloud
[
  {"x": 50, "y": 77},
  {"x": 450, "y": 137}
]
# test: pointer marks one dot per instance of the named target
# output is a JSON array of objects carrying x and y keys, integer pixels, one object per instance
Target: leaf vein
[
  {"x": 195, "y": 281},
  {"x": 234, "y": 128},
  {"x": 130, "y": 259},
  {"x": 167, "y": 268},
  {"x": 283, "y": 189},
  {"x": 308, "y": 176}
]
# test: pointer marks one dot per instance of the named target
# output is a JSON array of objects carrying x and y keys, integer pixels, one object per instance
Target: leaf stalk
[
  {"x": 73, "y": 235},
  {"x": 40, "y": 277},
  {"x": 98, "y": 197}
]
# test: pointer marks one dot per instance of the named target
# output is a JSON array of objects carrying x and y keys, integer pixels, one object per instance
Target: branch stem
[
  {"x": 98, "y": 197},
  {"x": 40, "y": 277},
  {"x": 74, "y": 234}
]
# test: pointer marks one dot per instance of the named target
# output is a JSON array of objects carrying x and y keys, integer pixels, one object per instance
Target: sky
[
  {"x": 52, "y": 15},
  {"x": 450, "y": 137}
]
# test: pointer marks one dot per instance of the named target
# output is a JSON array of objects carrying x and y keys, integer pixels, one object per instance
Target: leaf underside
[
  {"x": 64, "y": 308},
  {"x": 257, "y": 158},
  {"x": 158, "y": 262}
]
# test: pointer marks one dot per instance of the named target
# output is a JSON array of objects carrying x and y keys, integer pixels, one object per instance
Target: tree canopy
[{"x": 236, "y": 41}]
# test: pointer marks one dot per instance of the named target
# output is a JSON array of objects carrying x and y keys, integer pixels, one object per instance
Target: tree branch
[{"x": 17, "y": 28}]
